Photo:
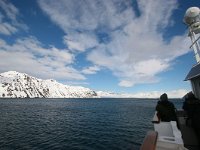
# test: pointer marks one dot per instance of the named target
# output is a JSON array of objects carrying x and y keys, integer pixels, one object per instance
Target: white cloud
[
  {"x": 87, "y": 15},
  {"x": 91, "y": 70},
  {"x": 153, "y": 94},
  {"x": 9, "y": 23},
  {"x": 135, "y": 49},
  {"x": 138, "y": 53},
  {"x": 126, "y": 83},
  {"x": 10, "y": 10},
  {"x": 145, "y": 71},
  {"x": 30, "y": 56},
  {"x": 7, "y": 29},
  {"x": 80, "y": 41},
  {"x": 156, "y": 94}
]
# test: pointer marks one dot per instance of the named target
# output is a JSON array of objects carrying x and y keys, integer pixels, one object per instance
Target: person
[
  {"x": 190, "y": 106},
  {"x": 190, "y": 99},
  {"x": 165, "y": 109}
]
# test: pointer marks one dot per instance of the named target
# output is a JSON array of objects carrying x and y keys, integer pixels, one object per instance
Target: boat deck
[{"x": 189, "y": 136}]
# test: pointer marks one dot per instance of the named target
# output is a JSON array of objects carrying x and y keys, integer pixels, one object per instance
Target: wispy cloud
[
  {"x": 9, "y": 23},
  {"x": 91, "y": 70},
  {"x": 88, "y": 15},
  {"x": 30, "y": 56},
  {"x": 131, "y": 46},
  {"x": 80, "y": 41}
]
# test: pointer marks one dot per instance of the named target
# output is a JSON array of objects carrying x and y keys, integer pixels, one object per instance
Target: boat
[{"x": 178, "y": 135}]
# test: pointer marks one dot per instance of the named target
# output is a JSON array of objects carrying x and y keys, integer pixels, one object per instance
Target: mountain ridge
[{"x": 21, "y": 85}]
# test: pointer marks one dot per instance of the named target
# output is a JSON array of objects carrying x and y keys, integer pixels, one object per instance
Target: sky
[{"x": 123, "y": 46}]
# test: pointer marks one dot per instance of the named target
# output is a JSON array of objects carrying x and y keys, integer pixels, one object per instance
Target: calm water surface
[{"x": 75, "y": 124}]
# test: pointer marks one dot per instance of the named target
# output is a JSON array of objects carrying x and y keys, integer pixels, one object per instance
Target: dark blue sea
[{"x": 75, "y": 124}]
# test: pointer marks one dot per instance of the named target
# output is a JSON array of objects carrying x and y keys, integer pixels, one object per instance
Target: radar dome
[{"x": 192, "y": 15}]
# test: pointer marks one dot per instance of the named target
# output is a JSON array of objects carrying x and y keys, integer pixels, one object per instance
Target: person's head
[
  {"x": 190, "y": 95},
  {"x": 164, "y": 97}
]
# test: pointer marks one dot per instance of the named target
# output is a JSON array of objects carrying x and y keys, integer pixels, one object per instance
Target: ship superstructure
[{"x": 192, "y": 20}]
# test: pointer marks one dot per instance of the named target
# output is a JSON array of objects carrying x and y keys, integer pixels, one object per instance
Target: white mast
[{"x": 192, "y": 20}]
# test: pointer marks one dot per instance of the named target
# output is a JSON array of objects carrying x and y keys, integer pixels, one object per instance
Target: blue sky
[{"x": 129, "y": 46}]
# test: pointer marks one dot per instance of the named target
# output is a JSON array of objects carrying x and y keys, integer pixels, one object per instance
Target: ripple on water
[{"x": 74, "y": 124}]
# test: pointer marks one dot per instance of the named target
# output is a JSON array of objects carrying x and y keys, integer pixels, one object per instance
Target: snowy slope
[{"x": 19, "y": 85}]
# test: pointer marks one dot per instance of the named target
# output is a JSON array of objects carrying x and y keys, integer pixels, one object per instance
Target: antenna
[{"x": 192, "y": 20}]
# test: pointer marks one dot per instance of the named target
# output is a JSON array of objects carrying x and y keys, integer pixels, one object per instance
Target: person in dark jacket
[
  {"x": 190, "y": 105},
  {"x": 165, "y": 109}
]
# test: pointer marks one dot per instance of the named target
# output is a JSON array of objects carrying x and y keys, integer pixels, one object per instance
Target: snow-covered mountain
[{"x": 20, "y": 85}]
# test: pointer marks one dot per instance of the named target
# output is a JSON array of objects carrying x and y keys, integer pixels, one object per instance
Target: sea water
[{"x": 75, "y": 124}]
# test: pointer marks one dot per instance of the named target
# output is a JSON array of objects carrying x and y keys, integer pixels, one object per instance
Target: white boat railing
[{"x": 169, "y": 136}]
